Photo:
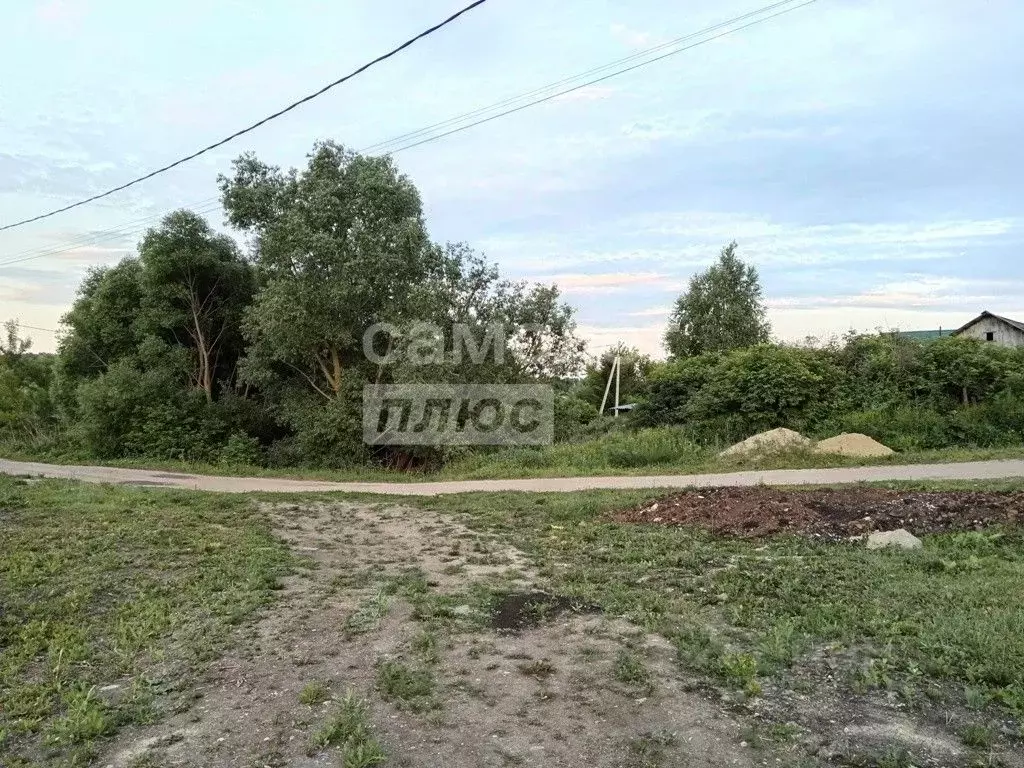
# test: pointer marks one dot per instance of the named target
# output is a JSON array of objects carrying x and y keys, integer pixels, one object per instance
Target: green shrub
[
  {"x": 671, "y": 387},
  {"x": 572, "y": 415},
  {"x": 241, "y": 450},
  {"x": 328, "y": 433},
  {"x": 995, "y": 422},
  {"x": 130, "y": 412},
  {"x": 648, "y": 447},
  {"x": 905, "y": 428},
  {"x": 726, "y": 397}
]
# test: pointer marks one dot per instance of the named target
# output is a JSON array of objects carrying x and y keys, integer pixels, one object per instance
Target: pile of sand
[
  {"x": 772, "y": 441},
  {"x": 853, "y": 444}
]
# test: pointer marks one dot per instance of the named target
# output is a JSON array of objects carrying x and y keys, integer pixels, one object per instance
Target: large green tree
[
  {"x": 102, "y": 323},
  {"x": 195, "y": 286},
  {"x": 722, "y": 309},
  {"x": 519, "y": 330},
  {"x": 339, "y": 246}
]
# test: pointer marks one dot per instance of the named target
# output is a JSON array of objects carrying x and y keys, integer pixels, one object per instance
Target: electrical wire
[
  {"x": 416, "y": 141},
  {"x": 383, "y": 145},
  {"x": 255, "y": 125},
  {"x": 602, "y": 78},
  {"x": 122, "y": 231}
]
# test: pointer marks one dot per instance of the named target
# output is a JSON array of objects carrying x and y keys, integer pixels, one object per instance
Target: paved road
[{"x": 975, "y": 470}]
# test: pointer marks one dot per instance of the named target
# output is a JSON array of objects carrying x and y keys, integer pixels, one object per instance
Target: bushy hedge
[{"x": 909, "y": 395}]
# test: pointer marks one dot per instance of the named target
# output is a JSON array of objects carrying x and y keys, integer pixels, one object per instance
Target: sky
[{"x": 866, "y": 155}]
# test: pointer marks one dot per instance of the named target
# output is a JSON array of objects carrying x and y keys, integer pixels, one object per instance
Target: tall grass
[{"x": 655, "y": 447}]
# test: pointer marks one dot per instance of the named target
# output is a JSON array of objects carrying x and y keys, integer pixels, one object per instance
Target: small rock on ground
[{"x": 901, "y": 537}]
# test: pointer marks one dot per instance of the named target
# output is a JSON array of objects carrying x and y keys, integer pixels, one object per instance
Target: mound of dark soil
[{"x": 836, "y": 513}]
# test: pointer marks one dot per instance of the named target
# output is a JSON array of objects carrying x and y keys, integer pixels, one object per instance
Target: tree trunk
[{"x": 332, "y": 369}]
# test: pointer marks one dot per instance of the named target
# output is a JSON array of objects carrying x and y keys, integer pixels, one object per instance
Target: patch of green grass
[
  {"x": 426, "y": 646},
  {"x": 349, "y": 730},
  {"x": 409, "y": 687},
  {"x": 660, "y": 450},
  {"x": 367, "y": 615},
  {"x": 631, "y": 669},
  {"x": 314, "y": 692},
  {"x": 759, "y": 736},
  {"x": 977, "y": 735},
  {"x": 938, "y": 615},
  {"x": 98, "y": 585}
]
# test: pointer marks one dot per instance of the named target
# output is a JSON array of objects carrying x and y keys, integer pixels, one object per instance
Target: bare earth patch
[
  {"x": 835, "y": 513},
  {"x": 396, "y": 609}
]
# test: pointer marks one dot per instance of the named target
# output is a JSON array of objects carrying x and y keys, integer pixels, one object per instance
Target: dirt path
[
  {"x": 975, "y": 470},
  {"x": 389, "y": 589}
]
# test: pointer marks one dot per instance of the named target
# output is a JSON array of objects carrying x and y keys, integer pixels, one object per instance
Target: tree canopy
[
  {"x": 197, "y": 348},
  {"x": 722, "y": 309}
]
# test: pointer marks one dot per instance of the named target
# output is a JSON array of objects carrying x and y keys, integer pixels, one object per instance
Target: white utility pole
[
  {"x": 618, "y": 371},
  {"x": 613, "y": 373}
]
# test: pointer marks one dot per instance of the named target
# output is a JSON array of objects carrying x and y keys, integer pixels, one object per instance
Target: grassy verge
[
  {"x": 599, "y": 458},
  {"x": 929, "y": 623},
  {"x": 623, "y": 454},
  {"x": 110, "y": 599}
]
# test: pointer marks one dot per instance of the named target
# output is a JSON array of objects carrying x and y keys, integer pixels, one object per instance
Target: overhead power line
[
  {"x": 254, "y": 126},
  {"x": 125, "y": 230},
  {"x": 511, "y": 105},
  {"x": 603, "y": 78},
  {"x": 36, "y": 328},
  {"x": 414, "y": 135}
]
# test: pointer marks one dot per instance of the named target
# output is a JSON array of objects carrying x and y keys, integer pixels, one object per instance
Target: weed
[
  {"x": 648, "y": 749},
  {"x": 349, "y": 730},
  {"x": 541, "y": 669},
  {"x": 425, "y": 645},
  {"x": 975, "y": 697},
  {"x": 781, "y": 645},
  {"x": 409, "y": 687},
  {"x": 630, "y": 668},
  {"x": 367, "y": 615},
  {"x": 977, "y": 735},
  {"x": 739, "y": 668},
  {"x": 315, "y": 692},
  {"x": 896, "y": 758}
]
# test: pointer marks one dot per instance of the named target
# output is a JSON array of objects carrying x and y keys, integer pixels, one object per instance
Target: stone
[{"x": 901, "y": 538}]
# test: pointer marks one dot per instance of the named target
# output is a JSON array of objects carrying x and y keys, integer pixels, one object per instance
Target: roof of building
[
  {"x": 924, "y": 335},
  {"x": 985, "y": 315}
]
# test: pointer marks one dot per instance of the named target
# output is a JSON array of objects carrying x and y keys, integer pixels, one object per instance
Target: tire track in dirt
[{"x": 547, "y": 696}]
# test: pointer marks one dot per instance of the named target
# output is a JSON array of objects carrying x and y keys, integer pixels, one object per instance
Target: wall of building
[{"x": 1003, "y": 334}]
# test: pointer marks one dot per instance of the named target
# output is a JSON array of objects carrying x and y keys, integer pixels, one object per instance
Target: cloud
[
  {"x": 646, "y": 338},
  {"x": 691, "y": 240},
  {"x": 954, "y": 293},
  {"x": 633, "y": 38},
  {"x": 651, "y": 312},
  {"x": 613, "y": 282},
  {"x": 27, "y": 293},
  {"x": 64, "y": 15}
]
